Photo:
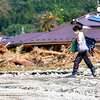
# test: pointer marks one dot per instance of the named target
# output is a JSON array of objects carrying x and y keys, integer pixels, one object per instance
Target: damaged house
[{"x": 60, "y": 35}]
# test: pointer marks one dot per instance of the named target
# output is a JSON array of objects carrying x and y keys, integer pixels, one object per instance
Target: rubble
[{"x": 42, "y": 57}]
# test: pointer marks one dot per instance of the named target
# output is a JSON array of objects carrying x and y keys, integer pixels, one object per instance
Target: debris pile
[
  {"x": 42, "y": 57},
  {"x": 3, "y": 49}
]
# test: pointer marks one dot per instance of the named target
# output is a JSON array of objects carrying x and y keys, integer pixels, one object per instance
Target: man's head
[{"x": 77, "y": 29}]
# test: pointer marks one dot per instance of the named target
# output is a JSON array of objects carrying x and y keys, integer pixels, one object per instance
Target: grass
[
  {"x": 39, "y": 68},
  {"x": 27, "y": 68}
]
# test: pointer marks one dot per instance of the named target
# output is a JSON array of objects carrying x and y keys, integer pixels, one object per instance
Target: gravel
[{"x": 49, "y": 85}]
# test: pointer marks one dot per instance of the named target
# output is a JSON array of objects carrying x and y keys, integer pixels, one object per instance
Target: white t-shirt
[
  {"x": 82, "y": 46},
  {"x": 81, "y": 37}
]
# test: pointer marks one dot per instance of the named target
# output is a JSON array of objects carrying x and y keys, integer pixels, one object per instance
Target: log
[
  {"x": 7, "y": 44},
  {"x": 22, "y": 62},
  {"x": 6, "y": 64},
  {"x": 2, "y": 60},
  {"x": 17, "y": 61},
  {"x": 42, "y": 51},
  {"x": 51, "y": 52},
  {"x": 48, "y": 57}
]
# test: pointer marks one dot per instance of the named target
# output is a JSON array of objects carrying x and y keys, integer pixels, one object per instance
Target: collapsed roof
[{"x": 61, "y": 34}]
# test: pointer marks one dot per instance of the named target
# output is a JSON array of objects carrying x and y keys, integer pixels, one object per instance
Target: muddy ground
[{"x": 49, "y": 85}]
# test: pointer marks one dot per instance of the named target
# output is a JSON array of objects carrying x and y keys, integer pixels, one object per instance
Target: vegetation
[
  {"x": 38, "y": 68},
  {"x": 40, "y": 15},
  {"x": 4, "y": 7}
]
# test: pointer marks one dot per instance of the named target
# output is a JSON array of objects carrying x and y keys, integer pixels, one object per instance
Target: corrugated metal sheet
[
  {"x": 94, "y": 33},
  {"x": 84, "y": 20},
  {"x": 64, "y": 34},
  {"x": 22, "y": 38}
]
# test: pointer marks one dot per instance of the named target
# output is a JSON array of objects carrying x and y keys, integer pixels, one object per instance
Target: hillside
[
  {"x": 24, "y": 13},
  {"x": 49, "y": 5}
]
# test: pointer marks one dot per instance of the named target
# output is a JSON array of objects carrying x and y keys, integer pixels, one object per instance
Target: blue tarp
[{"x": 95, "y": 18}]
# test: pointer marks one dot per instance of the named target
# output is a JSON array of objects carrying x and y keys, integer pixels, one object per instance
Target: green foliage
[
  {"x": 47, "y": 21},
  {"x": 15, "y": 29},
  {"x": 25, "y": 12}
]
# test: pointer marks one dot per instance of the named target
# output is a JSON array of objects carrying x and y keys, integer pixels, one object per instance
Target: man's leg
[
  {"x": 78, "y": 60},
  {"x": 89, "y": 64},
  {"x": 87, "y": 60},
  {"x": 76, "y": 65}
]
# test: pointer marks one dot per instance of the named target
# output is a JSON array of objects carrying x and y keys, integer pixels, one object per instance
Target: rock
[
  {"x": 46, "y": 90},
  {"x": 22, "y": 66}
]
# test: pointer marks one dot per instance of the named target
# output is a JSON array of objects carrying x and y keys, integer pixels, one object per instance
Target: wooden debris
[
  {"x": 3, "y": 49},
  {"x": 42, "y": 57},
  {"x": 22, "y": 62},
  {"x": 7, "y": 63},
  {"x": 19, "y": 49}
]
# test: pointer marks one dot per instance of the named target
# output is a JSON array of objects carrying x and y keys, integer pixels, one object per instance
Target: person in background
[{"x": 82, "y": 53}]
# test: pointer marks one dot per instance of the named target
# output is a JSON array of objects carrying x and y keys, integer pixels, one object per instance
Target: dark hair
[{"x": 75, "y": 28}]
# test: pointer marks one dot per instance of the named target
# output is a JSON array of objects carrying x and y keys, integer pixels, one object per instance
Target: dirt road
[{"x": 52, "y": 86}]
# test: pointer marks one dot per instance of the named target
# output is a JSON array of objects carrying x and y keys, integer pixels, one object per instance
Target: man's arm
[{"x": 78, "y": 41}]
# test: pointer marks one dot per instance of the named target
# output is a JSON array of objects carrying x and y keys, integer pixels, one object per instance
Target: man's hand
[{"x": 79, "y": 42}]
